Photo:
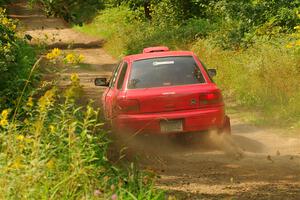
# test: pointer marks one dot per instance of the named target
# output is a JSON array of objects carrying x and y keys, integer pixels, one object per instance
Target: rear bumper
[{"x": 193, "y": 120}]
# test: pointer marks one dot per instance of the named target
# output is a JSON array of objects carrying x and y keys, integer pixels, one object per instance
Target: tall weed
[{"x": 58, "y": 150}]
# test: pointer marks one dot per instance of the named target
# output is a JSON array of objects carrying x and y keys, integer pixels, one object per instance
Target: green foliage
[
  {"x": 239, "y": 21},
  {"x": 16, "y": 59},
  {"x": 128, "y": 33},
  {"x": 243, "y": 20},
  {"x": 58, "y": 150},
  {"x": 3, "y": 2},
  {"x": 265, "y": 76},
  {"x": 185, "y": 9}
]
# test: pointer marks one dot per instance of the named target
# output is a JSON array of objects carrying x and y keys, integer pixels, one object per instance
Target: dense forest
[{"x": 48, "y": 143}]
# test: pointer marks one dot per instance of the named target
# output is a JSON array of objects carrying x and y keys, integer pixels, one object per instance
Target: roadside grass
[{"x": 264, "y": 77}]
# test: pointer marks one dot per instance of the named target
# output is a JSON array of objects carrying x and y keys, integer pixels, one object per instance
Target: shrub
[
  {"x": 16, "y": 59},
  {"x": 127, "y": 32},
  {"x": 241, "y": 19},
  {"x": 264, "y": 76}
]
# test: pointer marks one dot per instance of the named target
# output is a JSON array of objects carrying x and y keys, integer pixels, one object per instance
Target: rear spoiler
[{"x": 156, "y": 49}]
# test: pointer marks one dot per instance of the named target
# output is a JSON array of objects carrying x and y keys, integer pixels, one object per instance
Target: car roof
[{"x": 142, "y": 56}]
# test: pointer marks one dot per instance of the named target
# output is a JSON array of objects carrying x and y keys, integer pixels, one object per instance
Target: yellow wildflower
[
  {"x": 70, "y": 58},
  {"x": 74, "y": 78},
  {"x": 3, "y": 122},
  {"x": 29, "y": 102},
  {"x": 297, "y": 43},
  {"x": 52, "y": 129},
  {"x": 49, "y": 56},
  {"x": 20, "y": 138},
  {"x": 14, "y": 27},
  {"x": 80, "y": 58},
  {"x": 54, "y": 54},
  {"x": 5, "y": 21},
  {"x": 46, "y": 100},
  {"x": 4, "y": 116},
  {"x": 289, "y": 46},
  {"x": 17, "y": 164}
]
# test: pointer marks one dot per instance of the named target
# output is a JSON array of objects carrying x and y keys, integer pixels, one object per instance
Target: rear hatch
[
  {"x": 178, "y": 98},
  {"x": 166, "y": 84}
]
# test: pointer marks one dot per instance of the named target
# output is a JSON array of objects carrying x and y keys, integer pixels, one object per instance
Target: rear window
[{"x": 163, "y": 72}]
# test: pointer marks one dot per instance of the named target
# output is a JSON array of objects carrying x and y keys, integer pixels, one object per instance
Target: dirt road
[
  {"x": 254, "y": 163},
  {"x": 56, "y": 33}
]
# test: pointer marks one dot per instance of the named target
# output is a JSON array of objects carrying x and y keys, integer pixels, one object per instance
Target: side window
[
  {"x": 122, "y": 76},
  {"x": 115, "y": 75}
]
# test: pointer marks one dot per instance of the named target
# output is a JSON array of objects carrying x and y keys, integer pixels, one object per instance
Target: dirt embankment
[{"x": 254, "y": 163}]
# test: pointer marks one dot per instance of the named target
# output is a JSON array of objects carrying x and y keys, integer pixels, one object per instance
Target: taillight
[
  {"x": 128, "y": 106},
  {"x": 211, "y": 98}
]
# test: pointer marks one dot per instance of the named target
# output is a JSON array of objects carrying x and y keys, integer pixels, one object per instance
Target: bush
[
  {"x": 127, "y": 32},
  {"x": 16, "y": 60},
  {"x": 238, "y": 20},
  {"x": 264, "y": 77},
  {"x": 242, "y": 20}
]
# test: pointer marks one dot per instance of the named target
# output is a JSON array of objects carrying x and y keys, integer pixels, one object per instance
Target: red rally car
[{"x": 161, "y": 92}]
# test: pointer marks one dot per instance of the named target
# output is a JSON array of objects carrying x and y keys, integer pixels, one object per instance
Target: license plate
[{"x": 171, "y": 126}]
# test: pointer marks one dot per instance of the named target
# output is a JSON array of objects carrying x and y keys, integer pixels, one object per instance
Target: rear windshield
[{"x": 163, "y": 72}]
